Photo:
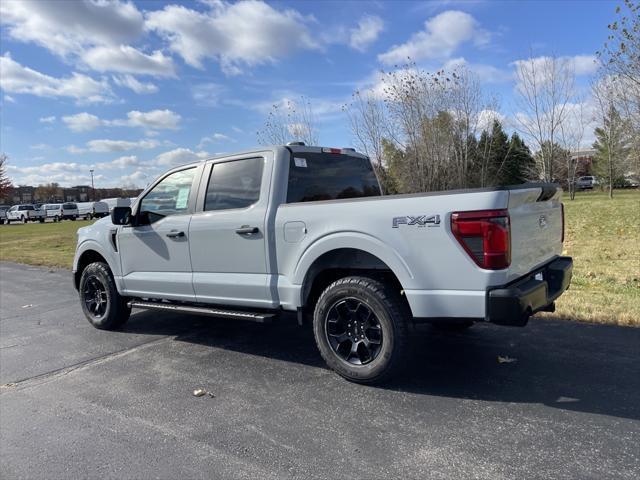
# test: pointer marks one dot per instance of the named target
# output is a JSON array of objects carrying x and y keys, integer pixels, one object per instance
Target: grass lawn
[
  {"x": 48, "y": 244},
  {"x": 602, "y": 236}
]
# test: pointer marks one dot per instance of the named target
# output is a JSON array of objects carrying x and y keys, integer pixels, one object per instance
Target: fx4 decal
[{"x": 420, "y": 221}]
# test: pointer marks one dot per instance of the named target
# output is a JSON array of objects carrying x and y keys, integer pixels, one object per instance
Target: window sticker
[
  {"x": 183, "y": 198},
  {"x": 300, "y": 162}
]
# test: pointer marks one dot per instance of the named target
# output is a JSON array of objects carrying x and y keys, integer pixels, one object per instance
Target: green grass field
[{"x": 602, "y": 236}]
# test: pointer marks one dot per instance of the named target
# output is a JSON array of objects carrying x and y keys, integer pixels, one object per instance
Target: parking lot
[{"x": 78, "y": 402}]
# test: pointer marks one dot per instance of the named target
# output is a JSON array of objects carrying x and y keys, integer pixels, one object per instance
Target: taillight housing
[{"x": 485, "y": 235}]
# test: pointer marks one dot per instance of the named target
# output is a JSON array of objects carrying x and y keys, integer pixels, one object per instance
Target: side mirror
[{"x": 121, "y": 215}]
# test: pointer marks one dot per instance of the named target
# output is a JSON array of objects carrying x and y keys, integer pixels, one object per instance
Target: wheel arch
[
  {"x": 339, "y": 263},
  {"x": 86, "y": 255}
]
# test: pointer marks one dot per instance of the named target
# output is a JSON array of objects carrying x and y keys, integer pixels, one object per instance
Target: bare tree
[
  {"x": 613, "y": 139},
  {"x": 546, "y": 87},
  {"x": 5, "y": 182},
  {"x": 571, "y": 138},
  {"x": 369, "y": 126},
  {"x": 287, "y": 121}
]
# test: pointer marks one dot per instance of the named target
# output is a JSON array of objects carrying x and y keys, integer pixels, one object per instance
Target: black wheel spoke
[
  {"x": 95, "y": 296},
  {"x": 353, "y": 331}
]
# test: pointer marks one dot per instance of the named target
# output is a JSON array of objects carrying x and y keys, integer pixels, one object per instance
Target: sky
[{"x": 129, "y": 89}]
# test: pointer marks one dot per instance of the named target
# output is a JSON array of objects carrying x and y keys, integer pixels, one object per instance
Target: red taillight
[
  {"x": 562, "y": 210},
  {"x": 485, "y": 235}
]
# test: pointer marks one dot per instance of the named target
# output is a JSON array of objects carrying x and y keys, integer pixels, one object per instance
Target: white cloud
[
  {"x": 82, "y": 122},
  {"x": 207, "y": 94},
  {"x": 127, "y": 161},
  {"x": 246, "y": 33},
  {"x": 102, "y": 145},
  {"x": 486, "y": 118},
  {"x": 442, "y": 35},
  {"x": 138, "y": 178},
  {"x": 50, "y": 119},
  {"x": 152, "y": 120},
  {"x": 75, "y": 150},
  {"x": 70, "y": 27},
  {"x": 126, "y": 59},
  {"x": 130, "y": 82},
  {"x": 486, "y": 73},
  {"x": 578, "y": 64},
  {"x": 367, "y": 31},
  {"x": 214, "y": 138},
  {"x": 179, "y": 156},
  {"x": 17, "y": 78}
]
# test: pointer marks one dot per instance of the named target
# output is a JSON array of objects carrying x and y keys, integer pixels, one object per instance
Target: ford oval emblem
[{"x": 542, "y": 221}]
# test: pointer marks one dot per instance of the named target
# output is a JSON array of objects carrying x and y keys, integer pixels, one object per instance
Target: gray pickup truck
[{"x": 305, "y": 229}]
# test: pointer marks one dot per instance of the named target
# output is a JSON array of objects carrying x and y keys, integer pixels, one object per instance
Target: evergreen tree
[
  {"x": 493, "y": 149},
  {"x": 519, "y": 165}
]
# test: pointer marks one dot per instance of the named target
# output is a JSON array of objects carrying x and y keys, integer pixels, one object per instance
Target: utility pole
[{"x": 93, "y": 189}]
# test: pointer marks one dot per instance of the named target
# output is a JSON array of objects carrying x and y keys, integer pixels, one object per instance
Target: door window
[
  {"x": 234, "y": 184},
  {"x": 169, "y": 197}
]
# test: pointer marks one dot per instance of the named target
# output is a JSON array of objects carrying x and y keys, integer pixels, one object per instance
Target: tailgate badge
[{"x": 542, "y": 221}]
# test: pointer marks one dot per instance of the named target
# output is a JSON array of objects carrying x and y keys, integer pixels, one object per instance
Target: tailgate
[{"x": 536, "y": 227}]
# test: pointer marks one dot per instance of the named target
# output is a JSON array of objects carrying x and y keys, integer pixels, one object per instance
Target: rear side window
[
  {"x": 327, "y": 176},
  {"x": 27, "y": 207},
  {"x": 69, "y": 206},
  {"x": 234, "y": 184}
]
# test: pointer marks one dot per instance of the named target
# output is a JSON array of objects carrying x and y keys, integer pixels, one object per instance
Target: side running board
[{"x": 207, "y": 311}]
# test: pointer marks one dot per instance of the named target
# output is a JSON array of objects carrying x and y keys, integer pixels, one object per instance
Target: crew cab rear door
[{"x": 227, "y": 235}]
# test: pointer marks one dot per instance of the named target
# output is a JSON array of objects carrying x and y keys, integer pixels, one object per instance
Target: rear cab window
[{"x": 315, "y": 176}]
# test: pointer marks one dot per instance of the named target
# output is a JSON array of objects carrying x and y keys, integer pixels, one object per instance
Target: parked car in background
[
  {"x": 61, "y": 211},
  {"x": 91, "y": 210},
  {"x": 3, "y": 213},
  {"x": 117, "y": 202},
  {"x": 24, "y": 214},
  {"x": 586, "y": 183}
]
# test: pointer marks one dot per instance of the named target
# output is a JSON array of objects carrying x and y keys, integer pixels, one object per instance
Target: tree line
[{"x": 428, "y": 131}]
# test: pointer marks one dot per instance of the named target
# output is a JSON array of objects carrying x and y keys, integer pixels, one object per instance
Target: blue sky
[{"x": 130, "y": 89}]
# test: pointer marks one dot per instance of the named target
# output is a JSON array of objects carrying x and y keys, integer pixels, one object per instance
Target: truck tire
[
  {"x": 24, "y": 219},
  {"x": 101, "y": 303},
  {"x": 56, "y": 219},
  {"x": 361, "y": 329},
  {"x": 41, "y": 220},
  {"x": 90, "y": 216}
]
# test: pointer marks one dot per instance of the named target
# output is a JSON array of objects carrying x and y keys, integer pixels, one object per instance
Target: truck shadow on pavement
[{"x": 561, "y": 364}]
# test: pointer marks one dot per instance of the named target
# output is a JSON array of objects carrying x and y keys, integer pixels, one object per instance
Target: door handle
[
  {"x": 244, "y": 230},
  {"x": 175, "y": 234}
]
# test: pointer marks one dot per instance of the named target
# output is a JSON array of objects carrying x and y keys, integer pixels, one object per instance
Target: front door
[
  {"x": 227, "y": 234},
  {"x": 154, "y": 254}
]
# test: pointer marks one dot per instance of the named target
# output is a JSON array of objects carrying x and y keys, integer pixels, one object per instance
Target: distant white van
[
  {"x": 60, "y": 211},
  {"x": 91, "y": 210},
  {"x": 117, "y": 202}
]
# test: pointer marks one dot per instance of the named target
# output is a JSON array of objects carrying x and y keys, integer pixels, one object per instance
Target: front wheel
[
  {"x": 56, "y": 219},
  {"x": 24, "y": 220},
  {"x": 360, "y": 327},
  {"x": 101, "y": 303}
]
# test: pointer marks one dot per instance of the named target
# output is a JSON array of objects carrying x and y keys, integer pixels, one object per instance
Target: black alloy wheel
[
  {"x": 95, "y": 296},
  {"x": 353, "y": 331}
]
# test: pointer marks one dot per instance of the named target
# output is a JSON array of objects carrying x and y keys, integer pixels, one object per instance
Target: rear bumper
[{"x": 514, "y": 303}]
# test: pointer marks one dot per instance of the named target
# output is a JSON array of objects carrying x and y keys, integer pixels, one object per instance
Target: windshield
[{"x": 327, "y": 176}]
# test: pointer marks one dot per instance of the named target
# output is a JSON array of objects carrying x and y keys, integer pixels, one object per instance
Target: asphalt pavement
[{"x": 76, "y": 402}]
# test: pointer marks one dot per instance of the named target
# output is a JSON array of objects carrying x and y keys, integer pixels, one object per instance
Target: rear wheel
[
  {"x": 90, "y": 216},
  {"x": 56, "y": 218},
  {"x": 24, "y": 219},
  {"x": 360, "y": 327},
  {"x": 41, "y": 220},
  {"x": 101, "y": 303}
]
